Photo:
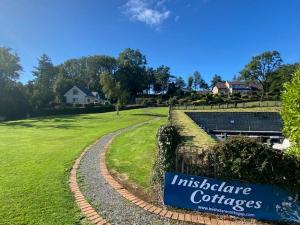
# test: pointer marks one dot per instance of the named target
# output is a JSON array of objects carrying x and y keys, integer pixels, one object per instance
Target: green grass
[
  {"x": 132, "y": 154},
  {"x": 35, "y": 159}
]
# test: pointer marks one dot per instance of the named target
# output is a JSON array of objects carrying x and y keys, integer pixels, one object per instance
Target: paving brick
[
  {"x": 194, "y": 218},
  {"x": 188, "y": 217},
  {"x": 175, "y": 215},
  {"x": 97, "y": 220},
  {"x": 101, "y": 222},
  {"x": 163, "y": 212},
  {"x": 181, "y": 216},
  {"x": 92, "y": 218},
  {"x": 157, "y": 211},
  {"x": 168, "y": 214}
]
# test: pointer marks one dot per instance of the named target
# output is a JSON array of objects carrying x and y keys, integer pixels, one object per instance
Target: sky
[{"x": 211, "y": 36}]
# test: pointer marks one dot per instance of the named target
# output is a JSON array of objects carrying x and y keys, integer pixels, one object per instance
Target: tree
[
  {"x": 180, "y": 84},
  {"x": 197, "y": 80},
  {"x": 203, "y": 84},
  {"x": 190, "y": 82},
  {"x": 216, "y": 78},
  {"x": 282, "y": 75},
  {"x": 10, "y": 67},
  {"x": 44, "y": 74},
  {"x": 131, "y": 71},
  {"x": 162, "y": 78},
  {"x": 291, "y": 111},
  {"x": 61, "y": 85},
  {"x": 13, "y": 99},
  {"x": 260, "y": 67},
  {"x": 112, "y": 90}
]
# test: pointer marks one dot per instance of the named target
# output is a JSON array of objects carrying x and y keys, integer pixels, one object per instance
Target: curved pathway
[{"x": 106, "y": 200}]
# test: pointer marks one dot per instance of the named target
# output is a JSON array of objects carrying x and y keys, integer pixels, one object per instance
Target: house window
[
  {"x": 75, "y": 92},
  {"x": 88, "y": 100},
  {"x": 75, "y": 99}
]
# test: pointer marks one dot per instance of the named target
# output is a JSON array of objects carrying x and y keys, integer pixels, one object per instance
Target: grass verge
[{"x": 131, "y": 155}]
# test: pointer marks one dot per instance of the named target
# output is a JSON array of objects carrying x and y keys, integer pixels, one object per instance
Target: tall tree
[
  {"x": 190, "y": 82},
  {"x": 180, "y": 84},
  {"x": 197, "y": 80},
  {"x": 131, "y": 71},
  {"x": 13, "y": 101},
  {"x": 162, "y": 77},
  {"x": 260, "y": 67},
  {"x": 282, "y": 75},
  {"x": 44, "y": 74},
  {"x": 216, "y": 78},
  {"x": 10, "y": 67}
]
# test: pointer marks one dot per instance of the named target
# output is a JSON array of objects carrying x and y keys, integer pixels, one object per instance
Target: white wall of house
[
  {"x": 215, "y": 90},
  {"x": 76, "y": 96}
]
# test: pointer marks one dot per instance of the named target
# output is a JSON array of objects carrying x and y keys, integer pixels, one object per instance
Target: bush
[
  {"x": 247, "y": 160},
  {"x": 291, "y": 112},
  {"x": 168, "y": 138}
]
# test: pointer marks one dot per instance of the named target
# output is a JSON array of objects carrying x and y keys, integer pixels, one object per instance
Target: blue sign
[{"x": 231, "y": 197}]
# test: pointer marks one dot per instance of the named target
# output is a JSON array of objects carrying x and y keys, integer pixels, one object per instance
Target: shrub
[
  {"x": 291, "y": 112},
  {"x": 168, "y": 138},
  {"x": 246, "y": 159}
]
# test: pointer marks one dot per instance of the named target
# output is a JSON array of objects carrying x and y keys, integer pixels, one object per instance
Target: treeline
[{"x": 120, "y": 79}]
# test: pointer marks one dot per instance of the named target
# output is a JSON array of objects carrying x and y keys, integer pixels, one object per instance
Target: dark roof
[
  {"x": 86, "y": 91},
  {"x": 236, "y": 83},
  {"x": 221, "y": 85},
  {"x": 241, "y": 121}
]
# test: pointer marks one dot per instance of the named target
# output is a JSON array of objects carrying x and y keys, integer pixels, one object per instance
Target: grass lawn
[
  {"x": 132, "y": 154},
  {"x": 36, "y": 156}
]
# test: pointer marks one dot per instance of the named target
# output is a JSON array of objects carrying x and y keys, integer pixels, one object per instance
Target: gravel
[{"x": 106, "y": 201}]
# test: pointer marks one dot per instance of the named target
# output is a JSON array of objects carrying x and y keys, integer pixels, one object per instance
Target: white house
[{"x": 80, "y": 95}]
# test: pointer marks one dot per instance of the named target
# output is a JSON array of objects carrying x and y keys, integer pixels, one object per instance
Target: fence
[
  {"x": 190, "y": 160},
  {"x": 229, "y": 105}
]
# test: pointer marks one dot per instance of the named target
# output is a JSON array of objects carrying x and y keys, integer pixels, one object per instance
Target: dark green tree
[
  {"x": 162, "y": 77},
  {"x": 260, "y": 67},
  {"x": 282, "y": 75},
  {"x": 131, "y": 73},
  {"x": 197, "y": 80},
  {"x": 190, "y": 82},
  {"x": 216, "y": 78},
  {"x": 44, "y": 74},
  {"x": 10, "y": 67}
]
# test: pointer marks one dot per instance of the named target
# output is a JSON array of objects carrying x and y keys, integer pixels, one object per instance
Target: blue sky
[{"x": 212, "y": 36}]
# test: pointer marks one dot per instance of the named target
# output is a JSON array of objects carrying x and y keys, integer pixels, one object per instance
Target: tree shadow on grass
[
  {"x": 150, "y": 114},
  {"x": 43, "y": 124}
]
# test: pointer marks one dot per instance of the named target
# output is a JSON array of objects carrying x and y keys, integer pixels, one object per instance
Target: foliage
[
  {"x": 291, "y": 111},
  {"x": 216, "y": 78},
  {"x": 248, "y": 160},
  {"x": 10, "y": 67},
  {"x": 168, "y": 138},
  {"x": 276, "y": 79},
  {"x": 260, "y": 67},
  {"x": 44, "y": 75},
  {"x": 13, "y": 97}
]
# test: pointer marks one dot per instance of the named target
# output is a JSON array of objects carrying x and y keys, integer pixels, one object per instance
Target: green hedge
[
  {"x": 168, "y": 138},
  {"x": 291, "y": 112},
  {"x": 246, "y": 159}
]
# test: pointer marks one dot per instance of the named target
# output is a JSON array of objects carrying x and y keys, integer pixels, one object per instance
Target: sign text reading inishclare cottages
[{"x": 233, "y": 198}]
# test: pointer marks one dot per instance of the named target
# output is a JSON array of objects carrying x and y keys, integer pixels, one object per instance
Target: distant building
[
  {"x": 220, "y": 88},
  {"x": 230, "y": 87},
  {"x": 80, "y": 95}
]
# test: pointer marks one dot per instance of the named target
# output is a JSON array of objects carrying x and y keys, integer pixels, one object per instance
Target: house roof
[
  {"x": 221, "y": 85},
  {"x": 86, "y": 91}
]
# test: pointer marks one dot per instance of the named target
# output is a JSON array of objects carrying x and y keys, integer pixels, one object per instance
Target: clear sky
[{"x": 212, "y": 36}]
